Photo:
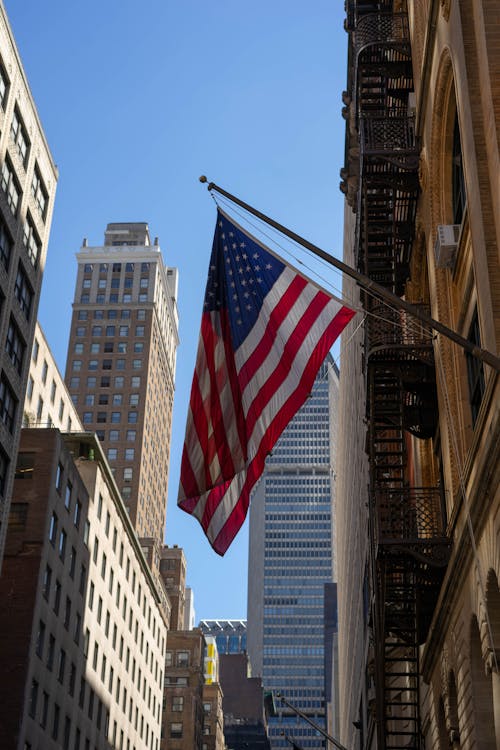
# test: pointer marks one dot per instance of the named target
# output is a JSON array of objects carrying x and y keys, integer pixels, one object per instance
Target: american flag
[{"x": 265, "y": 331}]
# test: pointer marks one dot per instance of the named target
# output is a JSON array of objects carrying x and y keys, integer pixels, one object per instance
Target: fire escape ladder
[{"x": 409, "y": 547}]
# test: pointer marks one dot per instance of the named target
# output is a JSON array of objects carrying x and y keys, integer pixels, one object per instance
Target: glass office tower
[{"x": 291, "y": 557}]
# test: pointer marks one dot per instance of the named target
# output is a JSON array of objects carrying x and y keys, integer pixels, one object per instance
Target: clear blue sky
[{"x": 137, "y": 100}]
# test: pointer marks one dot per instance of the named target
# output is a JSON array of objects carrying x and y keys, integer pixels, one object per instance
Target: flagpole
[{"x": 366, "y": 283}]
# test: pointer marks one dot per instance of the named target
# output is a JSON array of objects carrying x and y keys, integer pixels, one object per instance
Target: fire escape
[{"x": 408, "y": 543}]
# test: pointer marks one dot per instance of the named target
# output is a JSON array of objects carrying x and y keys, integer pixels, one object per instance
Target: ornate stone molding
[{"x": 445, "y": 9}]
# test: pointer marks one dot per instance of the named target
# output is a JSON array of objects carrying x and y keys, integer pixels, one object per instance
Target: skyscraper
[
  {"x": 28, "y": 178},
  {"x": 291, "y": 557},
  {"x": 121, "y": 364}
]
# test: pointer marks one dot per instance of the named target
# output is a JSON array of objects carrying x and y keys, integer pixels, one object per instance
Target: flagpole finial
[{"x": 203, "y": 179}]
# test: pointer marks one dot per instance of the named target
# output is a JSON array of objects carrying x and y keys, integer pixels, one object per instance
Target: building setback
[
  {"x": 291, "y": 557},
  {"x": 28, "y": 178},
  {"x": 121, "y": 364},
  {"x": 82, "y": 634}
]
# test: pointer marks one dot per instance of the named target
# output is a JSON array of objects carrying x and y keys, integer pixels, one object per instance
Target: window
[
  {"x": 141, "y": 314},
  {"x": 100, "y": 298},
  {"x": 91, "y": 381},
  {"x": 77, "y": 514},
  {"x": 125, "y": 314},
  {"x": 127, "y": 474},
  {"x": 10, "y": 185},
  {"x": 107, "y": 364},
  {"x": 177, "y": 702},
  {"x": 45, "y": 710},
  {"x": 128, "y": 282},
  {"x": 39, "y": 193},
  {"x": 39, "y": 408},
  {"x": 132, "y": 417},
  {"x": 74, "y": 383},
  {"x": 129, "y": 454},
  {"x": 89, "y": 399},
  {"x": 136, "y": 364},
  {"x": 61, "y": 665},
  {"x": 93, "y": 364},
  {"x": 112, "y": 454},
  {"x": 110, "y": 330},
  {"x": 135, "y": 381},
  {"x": 80, "y": 331},
  {"x": 88, "y": 267},
  {"x": 182, "y": 658},
  {"x": 67, "y": 495},
  {"x": 15, "y": 346},
  {"x": 87, "y": 283},
  {"x": 95, "y": 348},
  {"x": 62, "y": 544},
  {"x": 4, "y": 87},
  {"x": 117, "y": 399},
  {"x": 8, "y": 404},
  {"x": 31, "y": 241},
  {"x": 143, "y": 297},
  {"x": 144, "y": 283},
  {"x": 51, "y": 652},
  {"x": 117, "y": 267},
  {"x": 123, "y": 330},
  {"x": 119, "y": 381},
  {"x": 114, "y": 435},
  {"x": 96, "y": 330},
  {"x": 127, "y": 298},
  {"x": 138, "y": 347},
  {"x": 47, "y": 582},
  {"x": 87, "y": 417},
  {"x": 98, "y": 315},
  {"x": 5, "y": 245},
  {"x": 77, "y": 365},
  {"x": 53, "y": 529},
  {"x": 105, "y": 381},
  {"x": 19, "y": 135},
  {"x": 120, "y": 364},
  {"x": 176, "y": 730},
  {"x": 131, "y": 435},
  {"x": 23, "y": 292},
  {"x": 115, "y": 417},
  {"x": 475, "y": 370},
  {"x": 122, "y": 347},
  {"x": 108, "y": 347},
  {"x": 55, "y": 722}
]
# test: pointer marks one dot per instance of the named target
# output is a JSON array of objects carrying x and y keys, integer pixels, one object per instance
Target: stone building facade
[
  {"x": 453, "y": 267},
  {"x": 28, "y": 178},
  {"x": 83, "y": 635}
]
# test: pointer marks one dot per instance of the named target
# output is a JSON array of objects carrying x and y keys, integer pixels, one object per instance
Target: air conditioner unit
[{"x": 445, "y": 249}]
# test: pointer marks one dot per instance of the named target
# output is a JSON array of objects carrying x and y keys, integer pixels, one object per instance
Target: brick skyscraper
[{"x": 121, "y": 364}]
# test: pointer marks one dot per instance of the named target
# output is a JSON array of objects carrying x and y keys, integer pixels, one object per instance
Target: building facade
[
  {"x": 83, "y": 634},
  {"x": 291, "y": 557},
  {"x": 28, "y": 178},
  {"x": 182, "y": 722},
  {"x": 419, "y": 592},
  {"x": 121, "y": 364},
  {"x": 47, "y": 402},
  {"x": 245, "y": 722}
]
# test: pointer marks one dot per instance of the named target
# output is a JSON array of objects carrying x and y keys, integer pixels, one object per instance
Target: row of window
[
  {"x": 112, "y": 314},
  {"x": 110, "y": 330},
  {"x": 105, "y": 382},
  {"x": 108, "y": 347},
  {"x": 107, "y": 364},
  {"x": 114, "y": 417},
  {"x": 113, "y": 298},
  {"x": 116, "y": 267},
  {"x": 128, "y": 283}
]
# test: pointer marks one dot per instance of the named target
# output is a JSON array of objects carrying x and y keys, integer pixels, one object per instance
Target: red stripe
[
  {"x": 292, "y": 346},
  {"x": 276, "y": 318}
]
